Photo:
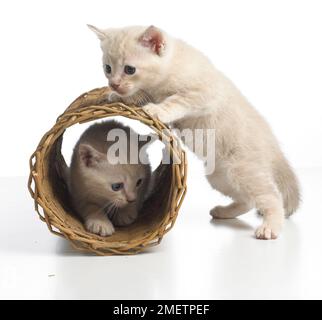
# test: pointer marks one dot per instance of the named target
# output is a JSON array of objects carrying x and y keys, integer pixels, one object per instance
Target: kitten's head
[
  {"x": 134, "y": 58},
  {"x": 117, "y": 184}
]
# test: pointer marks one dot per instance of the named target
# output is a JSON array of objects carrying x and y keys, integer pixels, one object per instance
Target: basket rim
[{"x": 91, "y": 106}]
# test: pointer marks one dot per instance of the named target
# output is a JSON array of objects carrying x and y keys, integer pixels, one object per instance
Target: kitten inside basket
[{"x": 109, "y": 179}]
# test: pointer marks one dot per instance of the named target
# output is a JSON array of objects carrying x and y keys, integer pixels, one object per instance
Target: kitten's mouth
[{"x": 120, "y": 92}]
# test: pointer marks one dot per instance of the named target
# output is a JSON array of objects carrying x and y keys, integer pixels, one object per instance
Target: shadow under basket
[{"x": 50, "y": 193}]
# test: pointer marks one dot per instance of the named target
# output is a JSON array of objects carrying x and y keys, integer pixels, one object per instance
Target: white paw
[
  {"x": 217, "y": 212},
  {"x": 98, "y": 226},
  {"x": 113, "y": 97},
  {"x": 268, "y": 231},
  {"x": 157, "y": 112}
]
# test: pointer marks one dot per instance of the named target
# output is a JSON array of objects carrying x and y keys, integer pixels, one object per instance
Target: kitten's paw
[
  {"x": 218, "y": 212},
  {"x": 124, "y": 220},
  {"x": 113, "y": 97},
  {"x": 99, "y": 226},
  {"x": 157, "y": 112},
  {"x": 268, "y": 231}
]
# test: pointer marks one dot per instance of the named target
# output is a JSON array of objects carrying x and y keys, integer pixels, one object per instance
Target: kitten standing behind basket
[
  {"x": 103, "y": 193},
  {"x": 189, "y": 93}
]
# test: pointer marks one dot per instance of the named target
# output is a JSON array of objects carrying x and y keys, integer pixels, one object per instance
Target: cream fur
[{"x": 189, "y": 92}]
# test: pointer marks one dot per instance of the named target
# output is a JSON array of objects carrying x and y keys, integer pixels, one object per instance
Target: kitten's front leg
[
  {"x": 139, "y": 98},
  {"x": 96, "y": 220},
  {"x": 112, "y": 97},
  {"x": 171, "y": 109},
  {"x": 125, "y": 216}
]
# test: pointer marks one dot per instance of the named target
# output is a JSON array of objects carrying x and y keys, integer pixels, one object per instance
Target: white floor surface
[{"x": 198, "y": 259}]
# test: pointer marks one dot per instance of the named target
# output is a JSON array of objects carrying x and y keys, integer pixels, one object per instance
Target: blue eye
[
  {"x": 117, "y": 186},
  {"x": 108, "y": 68},
  {"x": 129, "y": 70}
]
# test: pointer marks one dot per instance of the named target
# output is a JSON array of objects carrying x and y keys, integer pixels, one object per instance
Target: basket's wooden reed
[{"x": 50, "y": 194}]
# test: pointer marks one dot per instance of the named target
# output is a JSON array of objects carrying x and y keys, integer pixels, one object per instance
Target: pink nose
[
  {"x": 130, "y": 198},
  {"x": 115, "y": 86}
]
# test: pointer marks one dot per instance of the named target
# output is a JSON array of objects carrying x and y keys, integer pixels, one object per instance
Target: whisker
[
  {"x": 102, "y": 208},
  {"x": 115, "y": 210},
  {"x": 110, "y": 209}
]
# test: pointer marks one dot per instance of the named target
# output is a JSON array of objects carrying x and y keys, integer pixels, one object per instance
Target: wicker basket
[{"x": 52, "y": 202}]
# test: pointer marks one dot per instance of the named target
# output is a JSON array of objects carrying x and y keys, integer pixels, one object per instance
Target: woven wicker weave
[{"x": 50, "y": 194}]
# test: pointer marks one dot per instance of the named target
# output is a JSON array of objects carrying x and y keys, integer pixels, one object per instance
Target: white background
[{"x": 271, "y": 49}]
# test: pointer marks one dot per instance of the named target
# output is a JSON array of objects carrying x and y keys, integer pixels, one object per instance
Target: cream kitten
[
  {"x": 188, "y": 92},
  {"x": 105, "y": 194}
]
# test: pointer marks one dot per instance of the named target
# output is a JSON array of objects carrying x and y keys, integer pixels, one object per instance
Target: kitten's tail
[{"x": 288, "y": 185}]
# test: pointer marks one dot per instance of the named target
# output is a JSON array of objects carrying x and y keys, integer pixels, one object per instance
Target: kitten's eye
[
  {"x": 139, "y": 182},
  {"x": 129, "y": 70},
  {"x": 117, "y": 186},
  {"x": 108, "y": 68}
]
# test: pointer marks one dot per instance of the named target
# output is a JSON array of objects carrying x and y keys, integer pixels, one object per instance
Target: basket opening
[{"x": 155, "y": 209}]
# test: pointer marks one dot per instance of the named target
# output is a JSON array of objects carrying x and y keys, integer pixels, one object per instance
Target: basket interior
[{"x": 153, "y": 215}]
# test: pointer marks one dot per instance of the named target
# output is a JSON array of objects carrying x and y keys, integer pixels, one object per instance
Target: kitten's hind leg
[
  {"x": 262, "y": 191},
  {"x": 240, "y": 205},
  {"x": 270, "y": 205},
  {"x": 253, "y": 184},
  {"x": 231, "y": 211}
]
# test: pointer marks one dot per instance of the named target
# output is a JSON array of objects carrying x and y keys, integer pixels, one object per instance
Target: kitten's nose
[
  {"x": 130, "y": 198},
  {"x": 114, "y": 86}
]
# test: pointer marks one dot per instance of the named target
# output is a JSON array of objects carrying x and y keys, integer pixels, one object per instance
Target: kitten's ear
[
  {"x": 89, "y": 156},
  {"x": 153, "y": 39},
  {"x": 100, "y": 33}
]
